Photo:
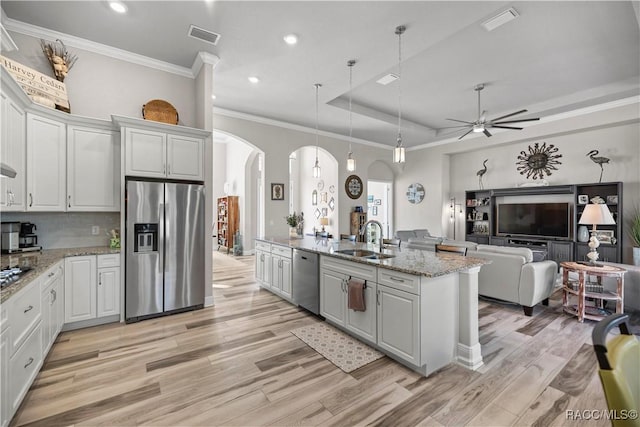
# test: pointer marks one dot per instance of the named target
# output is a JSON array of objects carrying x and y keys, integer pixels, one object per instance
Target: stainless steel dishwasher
[{"x": 306, "y": 280}]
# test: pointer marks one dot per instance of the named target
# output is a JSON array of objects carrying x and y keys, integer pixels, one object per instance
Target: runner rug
[{"x": 342, "y": 350}]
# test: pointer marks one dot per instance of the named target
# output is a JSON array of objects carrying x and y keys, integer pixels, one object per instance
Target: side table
[{"x": 583, "y": 289}]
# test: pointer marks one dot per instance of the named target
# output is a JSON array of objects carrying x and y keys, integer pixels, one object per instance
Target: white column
[{"x": 469, "y": 354}]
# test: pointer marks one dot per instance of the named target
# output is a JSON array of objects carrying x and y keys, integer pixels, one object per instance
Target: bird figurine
[
  {"x": 481, "y": 173},
  {"x": 599, "y": 160}
]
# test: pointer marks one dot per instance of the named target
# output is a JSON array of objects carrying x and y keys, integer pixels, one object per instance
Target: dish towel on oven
[{"x": 355, "y": 290}]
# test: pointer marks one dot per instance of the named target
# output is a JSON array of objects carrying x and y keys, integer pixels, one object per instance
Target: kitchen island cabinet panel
[
  {"x": 93, "y": 170},
  {"x": 399, "y": 323},
  {"x": 46, "y": 164}
]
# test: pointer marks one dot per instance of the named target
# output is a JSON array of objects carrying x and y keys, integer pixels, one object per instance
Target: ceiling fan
[{"x": 481, "y": 124}]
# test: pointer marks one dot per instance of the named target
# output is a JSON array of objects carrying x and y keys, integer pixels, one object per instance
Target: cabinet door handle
[
  {"x": 169, "y": 168},
  {"x": 54, "y": 294},
  {"x": 164, "y": 168},
  {"x": 28, "y": 309},
  {"x": 51, "y": 274},
  {"x": 378, "y": 297},
  {"x": 100, "y": 279},
  {"x": 8, "y": 197},
  {"x": 28, "y": 363},
  {"x": 30, "y": 199},
  {"x": 396, "y": 279},
  {"x": 69, "y": 200},
  {"x": 13, "y": 197}
]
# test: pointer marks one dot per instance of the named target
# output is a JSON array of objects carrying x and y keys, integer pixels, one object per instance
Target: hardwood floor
[{"x": 236, "y": 364}]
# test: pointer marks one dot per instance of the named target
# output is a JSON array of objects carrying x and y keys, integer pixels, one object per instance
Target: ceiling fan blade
[
  {"x": 505, "y": 127},
  {"x": 461, "y": 121},
  {"x": 486, "y": 132},
  {"x": 516, "y": 121},
  {"x": 482, "y": 117},
  {"x": 455, "y": 127},
  {"x": 509, "y": 115},
  {"x": 468, "y": 132}
]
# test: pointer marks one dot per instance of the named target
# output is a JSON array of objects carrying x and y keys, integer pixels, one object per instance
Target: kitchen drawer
[
  {"x": 50, "y": 275},
  {"x": 24, "y": 314},
  {"x": 283, "y": 251},
  {"x": 350, "y": 268},
  {"x": 109, "y": 260},
  {"x": 24, "y": 366},
  {"x": 401, "y": 281},
  {"x": 263, "y": 246}
]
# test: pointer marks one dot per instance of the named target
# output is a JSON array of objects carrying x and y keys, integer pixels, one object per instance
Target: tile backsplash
[{"x": 68, "y": 229}]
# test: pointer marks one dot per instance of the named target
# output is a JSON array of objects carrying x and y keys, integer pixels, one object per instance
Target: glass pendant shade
[
  {"x": 398, "y": 154},
  {"x": 351, "y": 164},
  {"x": 316, "y": 170},
  {"x": 316, "y": 166}
]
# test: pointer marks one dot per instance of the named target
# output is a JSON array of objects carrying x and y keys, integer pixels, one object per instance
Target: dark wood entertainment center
[{"x": 480, "y": 220}]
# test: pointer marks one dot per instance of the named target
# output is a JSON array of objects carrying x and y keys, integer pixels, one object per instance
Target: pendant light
[
  {"x": 316, "y": 167},
  {"x": 398, "y": 152},
  {"x": 351, "y": 162}
]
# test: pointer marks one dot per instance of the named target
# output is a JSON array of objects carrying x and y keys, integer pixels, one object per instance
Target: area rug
[{"x": 345, "y": 352}]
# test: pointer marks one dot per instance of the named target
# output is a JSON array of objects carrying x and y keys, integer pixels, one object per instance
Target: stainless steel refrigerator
[{"x": 165, "y": 237}]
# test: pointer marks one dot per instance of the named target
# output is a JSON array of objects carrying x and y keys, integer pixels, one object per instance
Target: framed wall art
[
  {"x": 277, "y": 191},
  {"x": 583, "y": 199}
]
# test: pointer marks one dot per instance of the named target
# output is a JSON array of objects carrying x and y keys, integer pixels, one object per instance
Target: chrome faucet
[{"x": 364, "y": 228}]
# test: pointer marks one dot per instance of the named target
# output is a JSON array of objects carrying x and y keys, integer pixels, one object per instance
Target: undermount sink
[
  {"x": 379, "y": 256},
  {"x": 356, "y": 252},
  {"x": 363, "y": 253}
]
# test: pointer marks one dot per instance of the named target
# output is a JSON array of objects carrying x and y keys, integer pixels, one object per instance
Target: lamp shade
[
  {"x": 597, "y": 214},
  {"x": 324, "y": 221}
]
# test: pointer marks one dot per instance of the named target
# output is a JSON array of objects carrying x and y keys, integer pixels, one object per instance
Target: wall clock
[
  {"x": 415, "y": 193},
  {"x": 353, "y": 186}
]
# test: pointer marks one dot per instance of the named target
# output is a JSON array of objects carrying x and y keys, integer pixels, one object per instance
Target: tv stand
[{"x": 529, "y": 243}]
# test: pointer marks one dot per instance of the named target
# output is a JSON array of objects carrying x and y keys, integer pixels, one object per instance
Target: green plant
[
  {"x": 634, "y": 227},
  {"x": 292, "y": 219}
]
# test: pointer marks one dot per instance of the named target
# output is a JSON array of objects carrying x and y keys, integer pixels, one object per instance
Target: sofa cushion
[
  {"x": 523, "y": 252},
  {"x": 422, "y": 233},
  {"x": 405, "y": 235},
  {"x": 425, "y": 243},
  {"x": 469, "y": 245}
]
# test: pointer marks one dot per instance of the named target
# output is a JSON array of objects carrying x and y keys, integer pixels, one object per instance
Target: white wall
[
  {"x": 99, "y": 86},
  {"x": 277, "y": 143}
]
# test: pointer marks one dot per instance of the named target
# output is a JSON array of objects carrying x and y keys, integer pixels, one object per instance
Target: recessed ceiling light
[
  {"x": 254, "y": 79},
  {"x": 385, "y": 80},
  {"x": 213, "y": 97},
  {"x": 118, "y": 6},
  {"x": 291, "y": 39}
]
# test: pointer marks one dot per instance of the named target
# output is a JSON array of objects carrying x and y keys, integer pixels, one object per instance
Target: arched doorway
[
  {"x": 380, "y": 198},
  {"x": 315, "y": 198}
]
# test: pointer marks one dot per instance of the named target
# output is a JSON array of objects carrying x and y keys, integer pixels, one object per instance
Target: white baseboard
[
  {"x": 470, "y": 357},
  {"x": 208, "y": 301}
]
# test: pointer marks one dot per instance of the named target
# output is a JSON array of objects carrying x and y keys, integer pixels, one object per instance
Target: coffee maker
[
  {"x": 10, "y": 237},
  {"x": 28, "y": 239}
]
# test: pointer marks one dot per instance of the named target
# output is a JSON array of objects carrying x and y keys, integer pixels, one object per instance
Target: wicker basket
[{"x": 160, "y": 111}]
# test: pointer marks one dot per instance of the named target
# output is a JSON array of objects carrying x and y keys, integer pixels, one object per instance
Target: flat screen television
[{"x": 548, "y": 220}]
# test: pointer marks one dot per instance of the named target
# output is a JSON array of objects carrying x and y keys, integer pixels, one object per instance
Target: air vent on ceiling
[
  {"x": 204, "y": 35},
  {"x": 500, "y": 19},
  {"x": 385, "y": 80}
]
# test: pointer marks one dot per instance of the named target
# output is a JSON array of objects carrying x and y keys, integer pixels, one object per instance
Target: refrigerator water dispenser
[{"x": 146, "y": 238}]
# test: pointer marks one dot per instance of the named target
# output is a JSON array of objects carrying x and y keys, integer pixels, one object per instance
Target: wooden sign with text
[{"x": 42, "y": 89}]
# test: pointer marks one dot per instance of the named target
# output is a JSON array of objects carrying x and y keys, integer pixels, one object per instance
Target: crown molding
[
  {"x": 99, "y": 48},
  {"x": 285, "y": 125}
]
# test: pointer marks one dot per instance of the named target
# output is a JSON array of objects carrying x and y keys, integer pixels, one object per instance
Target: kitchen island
[{"x": 422, "y": 307}]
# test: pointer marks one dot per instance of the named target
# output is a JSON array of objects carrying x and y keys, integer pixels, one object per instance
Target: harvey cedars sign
[{"x": 42, "y": 89}]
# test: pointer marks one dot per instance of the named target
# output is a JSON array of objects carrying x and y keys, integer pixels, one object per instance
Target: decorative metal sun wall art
[{"x": 540, "y": 160}]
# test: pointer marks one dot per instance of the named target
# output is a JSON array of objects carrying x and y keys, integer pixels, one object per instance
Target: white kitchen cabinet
[
  {"x": 184, "y": 157},
  {"x": 159, "y": 151},
  {"x": 24, "y": 366},
  {"x": 334, "y": 278},
  {"x": 281, "y": 271},
  {"x": 399, "y": 323},
  {"x": 13, "y": 153},
  {"x": 5, "y": 355},
  {"x": 80, "y": 288},
  {"x": 93, "y": 169},
  {"x": 92, "y": 287},
  {"x": 46, "y": 164},
  {"x": 25, "y": 313},
  {"x": 145, "y": 153},
  {"x": 263, "y": 264},
  {"x": 52, "y": 297},
  {"x": 108, "y": 297}
]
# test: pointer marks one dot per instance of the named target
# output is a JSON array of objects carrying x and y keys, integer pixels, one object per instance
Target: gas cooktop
[{"x": 10, "y": 275}]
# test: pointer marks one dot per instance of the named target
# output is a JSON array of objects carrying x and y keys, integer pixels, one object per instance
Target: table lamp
[
  {"x": 595, "y": 214},
  {"x": 323, "y": 222}
]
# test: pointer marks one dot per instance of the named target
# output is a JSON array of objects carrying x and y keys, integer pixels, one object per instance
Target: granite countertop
[
  {"x": 40, "y": 262},
  {"x": 411, "y": 261}
]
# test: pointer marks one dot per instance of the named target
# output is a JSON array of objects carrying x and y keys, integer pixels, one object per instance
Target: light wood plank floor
[{"x": 237, "y": 364}]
